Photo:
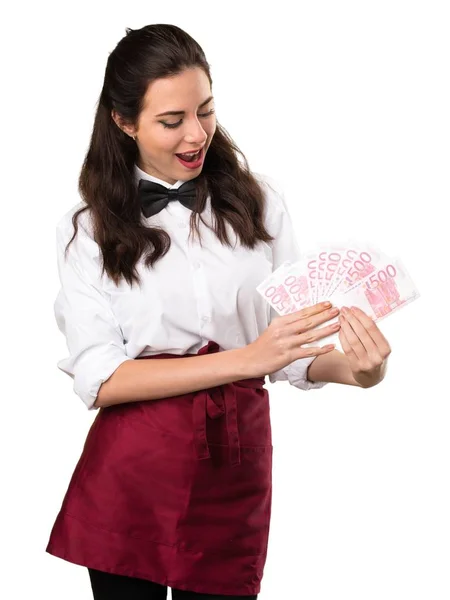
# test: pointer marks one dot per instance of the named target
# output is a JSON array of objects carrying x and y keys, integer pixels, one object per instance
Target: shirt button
[
  {"x": 206, "y": 319},
  {"x": 197, "y": 264},
  {"x": 181, "y": 224}
]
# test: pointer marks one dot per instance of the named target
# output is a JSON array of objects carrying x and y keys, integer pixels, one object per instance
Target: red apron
[{"x": 177, "y": 491}]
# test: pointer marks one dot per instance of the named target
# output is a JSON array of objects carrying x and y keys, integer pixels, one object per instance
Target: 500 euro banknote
[
  {"x": 380, "y": 294},
  {"x": 356, "y": 263},
  {"x": 275, "y": 291},
  {"x": 287, "y": 289},
  {"x": 366, "y": 278},
  {"x": 387, "y": 289},
  {"x": 337, "y": 267}
]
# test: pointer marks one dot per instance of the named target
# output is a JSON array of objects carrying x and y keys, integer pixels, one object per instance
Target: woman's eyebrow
[{"x": 181, "y": 112}]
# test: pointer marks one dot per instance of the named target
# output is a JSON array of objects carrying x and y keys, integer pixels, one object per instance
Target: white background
[{"x": 347, "y": 105}]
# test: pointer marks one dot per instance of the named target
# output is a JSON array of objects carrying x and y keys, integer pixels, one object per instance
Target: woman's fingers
[
  {"x": 314, "y": 335},
  {"x": 352, "y": 338},
  {"x": 373, "y": 331},
  {"x": 306, "y": 313},
  {"x": 356, "y": 331},
  {"x": 359, "y": 330},
  {"x": 346, "y": 346},
  {"x": 311, "y": 321},
  {"x": 314, "y": 350}
]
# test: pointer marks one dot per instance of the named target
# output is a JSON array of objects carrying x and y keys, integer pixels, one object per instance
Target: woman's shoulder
[
  {"x": 84, "y": 247},
  {"x": 268, "y": 182},
  {"x": 64, "y": 224}
]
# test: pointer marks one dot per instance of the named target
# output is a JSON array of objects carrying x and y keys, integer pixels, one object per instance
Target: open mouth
[{"x": 191, "y": 157}]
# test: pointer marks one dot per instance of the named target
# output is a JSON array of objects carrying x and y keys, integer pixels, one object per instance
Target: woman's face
[{"x": 160, "y": 137}]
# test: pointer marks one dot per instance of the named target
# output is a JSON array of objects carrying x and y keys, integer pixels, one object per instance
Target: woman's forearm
[
  {"x": 334, "y": 367},
  {"x": 152, "y": 379}
]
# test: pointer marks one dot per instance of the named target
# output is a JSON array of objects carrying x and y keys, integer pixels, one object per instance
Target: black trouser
[{"x": 108, "y": 586}]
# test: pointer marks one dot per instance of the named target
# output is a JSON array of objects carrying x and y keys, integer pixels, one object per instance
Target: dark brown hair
[{"x": 107, "y": 182}]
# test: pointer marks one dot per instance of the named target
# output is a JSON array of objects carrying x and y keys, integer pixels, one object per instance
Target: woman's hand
[
  {"x": 282, "y": 342},
  {"x": 364, "y": 345}
]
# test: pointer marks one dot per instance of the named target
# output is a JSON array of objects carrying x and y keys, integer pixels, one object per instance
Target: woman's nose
[{"x": 196, "y": 133}]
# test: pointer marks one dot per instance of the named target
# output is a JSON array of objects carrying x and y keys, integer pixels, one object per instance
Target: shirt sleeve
[
  {"x": 83, "y": 314},
  {"x": 285, "y": 247}
]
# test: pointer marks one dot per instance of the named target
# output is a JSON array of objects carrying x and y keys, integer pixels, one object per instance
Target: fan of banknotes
[{"x": 347, "y": 274}]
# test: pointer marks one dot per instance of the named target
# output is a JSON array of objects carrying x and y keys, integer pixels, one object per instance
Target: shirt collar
[{"x": 140, "y": 174}]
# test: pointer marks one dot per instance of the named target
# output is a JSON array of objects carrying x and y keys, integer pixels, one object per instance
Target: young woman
[{"x": 170, "y": 342}]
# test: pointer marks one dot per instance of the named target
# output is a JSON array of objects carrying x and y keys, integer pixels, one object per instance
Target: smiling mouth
[{"x": 191, "y": 157}]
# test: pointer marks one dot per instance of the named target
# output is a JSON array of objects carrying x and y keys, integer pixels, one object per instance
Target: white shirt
[{"x": 192, "y": 295}]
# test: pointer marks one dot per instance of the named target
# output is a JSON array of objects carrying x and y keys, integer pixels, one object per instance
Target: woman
[{"x": 169, "y": 339}]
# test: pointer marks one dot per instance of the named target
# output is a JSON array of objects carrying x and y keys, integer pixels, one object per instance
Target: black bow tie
[{"x": 153, "y": 196}]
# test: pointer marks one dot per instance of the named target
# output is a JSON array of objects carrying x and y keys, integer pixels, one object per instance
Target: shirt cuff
[
  {"x": 88, "y": 393},
  {"x": 296, "y": 374}
]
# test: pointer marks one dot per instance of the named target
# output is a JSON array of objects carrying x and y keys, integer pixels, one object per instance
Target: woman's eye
[{"x": 173, "y": 125}]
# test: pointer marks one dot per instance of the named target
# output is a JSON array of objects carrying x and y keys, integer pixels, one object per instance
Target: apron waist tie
[{"x": 214, "y": 403}]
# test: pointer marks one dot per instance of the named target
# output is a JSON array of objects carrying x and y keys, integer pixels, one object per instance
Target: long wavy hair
[{"x": 107, "y": 182}]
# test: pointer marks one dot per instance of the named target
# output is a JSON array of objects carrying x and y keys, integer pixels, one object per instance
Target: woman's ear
[{"x": 128, "y": 129}]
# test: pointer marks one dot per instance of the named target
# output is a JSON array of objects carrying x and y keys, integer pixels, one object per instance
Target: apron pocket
[{"x": 229, "y": 507}]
